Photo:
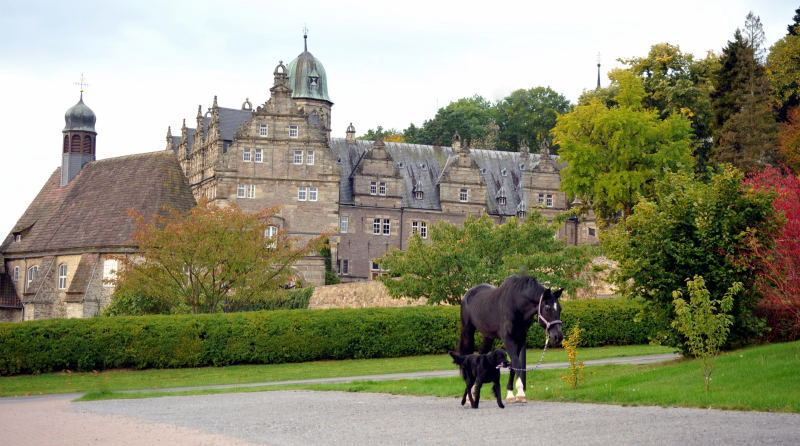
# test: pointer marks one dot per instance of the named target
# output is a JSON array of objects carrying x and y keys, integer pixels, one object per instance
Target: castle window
[
  {"x": 298, "y": 157},
  {"x": 463, "y": 195},
  {"x": 419, "y": 227},
  {"x": 549, "y": 201},
  {"x": 301, "y": 193},
  {"x": 32, "y": 274},
  {"x": 386, "y": 226},
  {"x": 310, "y": 158},
  {"x": 62, "y": 276},
  {"x": 312, "y": 194},
  {"x": 382, "y": 189},
  {"x": 16, "y": 274},
  {"x": 376, "y": 226},
  {"x": 344, "y": 223},
  {"x": 292, "y": 131},
  {"x": 110, "y": 267},
  {"x": 418, "y": 195},
  {"x": 501, "y": 201},
  {"x": 262, "y": 130},
  {"x": 591, "y": 232},
  {"x": 541, "y": 199},
  {"x": 259, "y": 155},
  {"x": 251, "y": 191},
  {"x": 373, "y": 187},
  {"x": 240, "y": 191},
  {"x": 345, "y": 266},
  {"x": 246, "y": 155}
]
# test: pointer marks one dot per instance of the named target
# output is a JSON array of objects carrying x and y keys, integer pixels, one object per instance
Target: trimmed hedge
[{"x": 269, "y": 337}]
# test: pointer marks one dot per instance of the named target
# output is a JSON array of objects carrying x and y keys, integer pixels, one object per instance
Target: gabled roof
[
  {"x": 91, "y": 212},
  {"x": 423, "y": 166}
]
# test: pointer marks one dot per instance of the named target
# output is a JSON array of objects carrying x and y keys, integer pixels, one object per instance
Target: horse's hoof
[
  {"x": 510, "y": 399},
  {"x": 521, "y": 399}
]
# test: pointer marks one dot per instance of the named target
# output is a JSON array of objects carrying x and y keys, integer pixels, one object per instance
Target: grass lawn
[
  {"x": 113, "y": 380},
  {"x": 763, "y": 378}
]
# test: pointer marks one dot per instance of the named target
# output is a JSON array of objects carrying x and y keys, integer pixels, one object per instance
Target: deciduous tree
[
  {"x": 529, "y": 115},
  {"x": 457, "y": 258},
  {"x": 613, "y": 154},
  {"x": 209, "y": 257}
]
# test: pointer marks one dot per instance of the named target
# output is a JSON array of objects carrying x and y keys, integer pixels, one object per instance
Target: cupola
[
  {"x": 307, "y": 77},
  {"x": 79, "y": 140}
]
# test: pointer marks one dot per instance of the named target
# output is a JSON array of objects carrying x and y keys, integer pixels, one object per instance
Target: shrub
[{"x": 269, "y": 337}]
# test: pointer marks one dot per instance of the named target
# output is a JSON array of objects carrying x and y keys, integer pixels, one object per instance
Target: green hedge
[
  {"x": 293, "y": 300},
  {"x": 269, "y": 337}
]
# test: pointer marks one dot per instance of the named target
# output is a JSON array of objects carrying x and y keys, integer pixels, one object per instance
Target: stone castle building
[
  {"x": 369, "y": 196},
  {"x": 372, "y": 195}
]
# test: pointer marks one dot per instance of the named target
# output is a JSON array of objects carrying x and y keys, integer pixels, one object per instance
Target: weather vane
[{"x": 82, "y": 83}]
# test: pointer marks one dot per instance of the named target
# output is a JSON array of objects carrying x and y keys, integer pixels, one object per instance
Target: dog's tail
[{"x": 457, "y": 359}]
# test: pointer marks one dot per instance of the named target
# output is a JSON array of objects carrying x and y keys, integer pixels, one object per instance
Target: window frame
[
  {"x": 263, "y": 131},
  {"x": 463, "y": 195},
  {"x": 418, "y": 195},
  {"x": 251, "y": 190},
  {"x": 298, "y": 161},
  {"x": 16, "y": 274},
  {"x": 592, "y": 232},
  {"x": 110, "y": 273},
  {"x": 246, "y": 155},
  {"x": 344, "y": 224},
  {"x": 376, "y": 226},
  {"x": 259, "y": 156},
  {"x": 62, "y": 276},
  {"x": 548, "y": 200},
  {"x": 240, "y": 190},
  {"x": 345, "y": 267},
  {"x": 309, "y": 157},
  {"x": 302, "y": 193},
  {"x": 501, "y": 201},
  {"x": 420, "y": 227},
  {"x": 382, "y": 188},
  {"x": 373, "y": 188},
  {"x": 312, "y": 193},
  {"x": 293, "y": 131},
  {"x": 31, "y": 275},
  {"x": 387, "y": 226}
]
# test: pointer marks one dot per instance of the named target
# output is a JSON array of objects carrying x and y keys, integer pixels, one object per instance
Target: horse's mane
[{"x": 516, "y": 283}]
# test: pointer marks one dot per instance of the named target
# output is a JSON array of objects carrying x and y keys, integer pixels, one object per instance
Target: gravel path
[{"x": 338, "y": 418}]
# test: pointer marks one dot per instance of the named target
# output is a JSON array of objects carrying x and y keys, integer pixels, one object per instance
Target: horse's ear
[{"x": 557, "y": 294}]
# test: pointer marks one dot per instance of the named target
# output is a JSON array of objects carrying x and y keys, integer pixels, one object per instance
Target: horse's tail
[{"x": 467, "y": 345}]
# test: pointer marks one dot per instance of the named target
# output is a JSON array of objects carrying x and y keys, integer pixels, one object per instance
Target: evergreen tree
[
  {"x": 792, "y": 28},
  {"x": 745, "y": 130}
]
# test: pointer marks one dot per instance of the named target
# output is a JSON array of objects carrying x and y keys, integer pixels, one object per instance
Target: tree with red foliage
[
  {"x": 779, "y": 281},
  {"x": 789, "y": 140}
]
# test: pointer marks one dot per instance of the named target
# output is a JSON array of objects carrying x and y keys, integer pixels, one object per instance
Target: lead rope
[{"x": 541, "y": 358}]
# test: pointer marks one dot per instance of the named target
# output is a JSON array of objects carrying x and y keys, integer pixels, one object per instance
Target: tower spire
[
  {"x": 305, "y": 38},
  {"x": 598, "y": 70}
]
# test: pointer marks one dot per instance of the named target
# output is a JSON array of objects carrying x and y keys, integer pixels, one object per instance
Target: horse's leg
[
  {"x": 477, "y": 400},
  {"x": 487, "y": 345},
  {"x": 511, "y": 346},
  {"x": 467, "y": 345},
  {"x": 521, "y": 384}
]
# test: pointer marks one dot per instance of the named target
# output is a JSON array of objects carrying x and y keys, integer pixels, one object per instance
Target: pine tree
[
  {"x": 792, "y": 28},
  {"x": 745, "y": 129}
]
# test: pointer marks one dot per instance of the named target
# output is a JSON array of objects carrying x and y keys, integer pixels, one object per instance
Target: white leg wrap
[
  {"x": 510, "y": 395},
  {"x": 474, "y": 392},
  {"x": 520, "y": 390}
]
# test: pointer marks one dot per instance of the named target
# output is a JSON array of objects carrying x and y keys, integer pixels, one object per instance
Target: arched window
[
  {"x": 62, "y": 276},
  {"x": 75, "y": 144},
  {"x": 87, "y": 144},
  {"x": 66, "y": 143},
  {"x": 32, "y": 275}
]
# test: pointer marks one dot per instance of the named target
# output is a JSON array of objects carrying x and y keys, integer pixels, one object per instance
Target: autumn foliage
[
  {"x": 789, "y": 140},
  {"x": 779, "y": 280},
  {"x": 210, "y": 258}
]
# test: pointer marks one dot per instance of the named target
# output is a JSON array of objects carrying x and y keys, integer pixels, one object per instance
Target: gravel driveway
[{"x": 338, "y": 418}]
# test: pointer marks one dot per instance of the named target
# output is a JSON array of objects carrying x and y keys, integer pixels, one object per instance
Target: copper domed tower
[{"x": 79, "y": 140}]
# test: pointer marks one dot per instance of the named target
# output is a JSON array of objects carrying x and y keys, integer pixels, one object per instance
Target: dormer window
[
  {"x": 501, "y": 201},
  {"x": 313, "y": 81},
  {"x": 17, "y": 238},
  {"x": 521, "y": 215},
  {"x": 418, "y": 195},
  {"x": 504, "y": 172}
]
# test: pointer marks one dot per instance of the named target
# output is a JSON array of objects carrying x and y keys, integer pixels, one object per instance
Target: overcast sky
[{"x": 150, "y": 64}]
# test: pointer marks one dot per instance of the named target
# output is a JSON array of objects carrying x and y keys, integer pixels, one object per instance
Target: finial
[
  {"x": 215, "y": 102},
  {"x": 598, "y": 70},
  {"x": 544, "y": 147},
  {"x": 200, "y": 111},
  {"x": 169, "y": 131},
  {"x": 523, "y": 146},
  {"x": 184, "y": 122},
  {"x": 305, "y": 38},
  {"x": 82, "y": 84}
]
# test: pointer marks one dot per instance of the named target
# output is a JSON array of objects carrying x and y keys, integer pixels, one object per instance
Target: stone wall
[
  {"x": 371, "y": 293},
  {"x": 10, "y": 315}
]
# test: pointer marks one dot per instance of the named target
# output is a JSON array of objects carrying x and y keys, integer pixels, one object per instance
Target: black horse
[{"x": 506, "y": 313}]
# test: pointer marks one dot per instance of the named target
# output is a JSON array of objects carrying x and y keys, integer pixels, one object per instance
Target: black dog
[{"x": 479, "y": 369}]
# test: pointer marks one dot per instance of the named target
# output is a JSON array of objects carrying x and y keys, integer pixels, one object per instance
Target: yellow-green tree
[{"x": 613, "y": 154}]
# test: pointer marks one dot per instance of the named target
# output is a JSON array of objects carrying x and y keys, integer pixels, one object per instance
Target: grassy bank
[{"x": 114, "y": 380}]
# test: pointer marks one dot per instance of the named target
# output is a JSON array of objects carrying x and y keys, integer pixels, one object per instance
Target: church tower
[
  {"x": 79, "y": 140},
  {"x": 309, "y": 85}
]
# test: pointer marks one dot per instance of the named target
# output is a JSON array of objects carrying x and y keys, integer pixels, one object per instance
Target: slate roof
[
  {"x": 230, "y": 119},
  {"x": 91, "y": 212},
  {"x": 421, "y": 166}
]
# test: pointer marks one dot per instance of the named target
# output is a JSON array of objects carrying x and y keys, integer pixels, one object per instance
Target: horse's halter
[{"x": 541, "y": 318}]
